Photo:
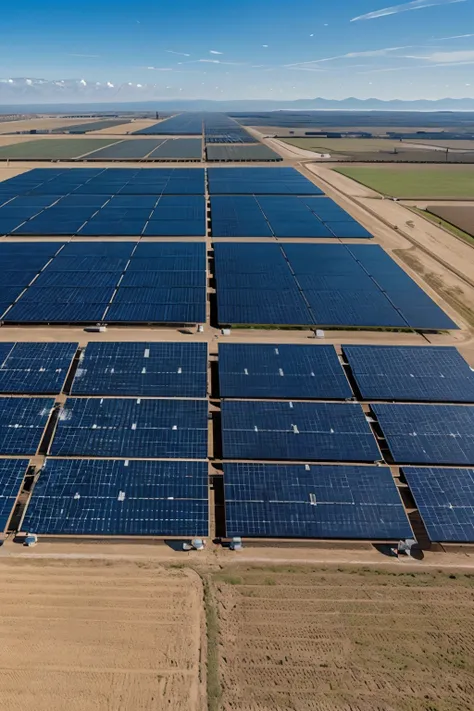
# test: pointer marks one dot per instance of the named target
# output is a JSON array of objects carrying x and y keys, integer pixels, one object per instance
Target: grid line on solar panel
[
  {"x": 445, "y": 500},
  {"x": 308, "y": 501},
  {"x": 35, "y": 368},
  {"x": 281, "y": 371},
  {"x": 299, "y": 431},
  {"x": 152, "y": 369},
  {"x": 12, "y": 472},
  {"x": 414, "y": 373},
  {"x": 142, "y": 428},
  {"x": 428, "y": 434},
  {"x": 22, "y": 423},
  {"x": 107, "y": 497}
]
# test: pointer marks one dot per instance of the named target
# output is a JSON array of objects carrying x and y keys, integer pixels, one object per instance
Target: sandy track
[
  {"x": 341, "y": 641},
  {"x": 93, "y": 636}
]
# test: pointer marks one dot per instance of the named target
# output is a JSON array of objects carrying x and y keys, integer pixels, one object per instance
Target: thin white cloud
[
  {"x": 447, "y": 57},
  {"x": 265, "y": 45},
  {"x": 161, "y": 69},
  {"x": 213, "y": 51},
  {"x": 182, "y": 54},
  {"x": 439, "y": 39},
  {"x": 351, "y": 55},
  {"x": 92, "y": 56},
  {"x": 405, "y": 7},
  {"x": 218, "y": 61}
]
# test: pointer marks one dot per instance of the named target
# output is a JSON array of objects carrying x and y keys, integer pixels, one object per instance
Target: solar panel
[
  {"x": 414, "y": 373},
  {"x": 308, "y": 501},
  {"x": 12, "y": 472},
  {"x": 297, "y": 431},
  {"x": 281, "y": 371},
  {"x": 259, "y": 181},
  {"x": 120, "y": 498},
  {"x": 148, "y": 429},
  {"x": 445, "y": 500},
  {"x": 22, "y": 423},
  {"x": 428, "y": 434},
  {"x": 35, "y": 368},
  {"x": 152, "y": 369}
]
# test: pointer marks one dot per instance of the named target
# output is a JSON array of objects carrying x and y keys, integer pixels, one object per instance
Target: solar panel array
[
  {"x": 35, "y": 368},
  {"x": 115, "y": 282},
  {"x": 132, "y": 428},
  {"x": 281, "y": 371},
  {"x": 428, "y": 434},
  {"x": 152, "y": 369},
  {"x": 319, "y": 284},
  {"x": 91, "y": 126},
  {"x": 308, "y": 501},
  {"x": 12, "y": 473},
  {"x": 445, "y": 500},
  {"x": 259, "y": 181},
  {"x": 219, "y": 128},
  {"x": 119, "y": 498},
  {"x": 22, "y": 423},
  {"x": 235, "y": 151},
  {"x": 413, "y": 373},
  {"x": 187, "y": 124},
  {"x": 298, "y": 431},
  {"x": 183, "y": 149},
  {"x": 103, "y": 202},
  {"x": 282, "y": 216}
]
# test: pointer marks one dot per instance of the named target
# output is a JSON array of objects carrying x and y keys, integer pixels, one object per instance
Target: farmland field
[
  {"x": 416, "y": 181},
  {"x": 345, "y": 145},
  {"x": 340, "y": 640},
  {"x": 461, "y": 217},
  {"x": 101, "y": 636}
]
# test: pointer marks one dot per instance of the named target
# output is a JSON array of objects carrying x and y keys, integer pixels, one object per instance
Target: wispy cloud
[
  {"x": 439, "y": 39},
  {"x": 350, "y": 55},
  {"x": 447, "y": 57},
  {"x": 161, "y": 69},
  {"x": 213, "y": 51},
  {"x": 405, "y": 7},
  {"x": 181, "y": 54},
  {"x": 91, "y": 56},
  {"x": 218, "y": 61}
]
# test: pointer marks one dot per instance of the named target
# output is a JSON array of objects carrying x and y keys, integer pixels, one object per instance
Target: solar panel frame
[
  {"x": 12, "y": 474},
  {"x": 35, "y": 368}
]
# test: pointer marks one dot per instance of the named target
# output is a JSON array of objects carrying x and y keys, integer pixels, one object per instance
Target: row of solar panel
[
  {"x": 110, "y": 497},
  {"x": 88, "y": 282},
  {"x": 157, "y": 181},
  {"x": 234, "y": 151},
  {"x": 319, "y": 284},
  {"x": 302, "y": 372},
  {"x": 168, "y": 215},
  {"x": 282, "y": 216},
  {"x": 251, "y": 430}
]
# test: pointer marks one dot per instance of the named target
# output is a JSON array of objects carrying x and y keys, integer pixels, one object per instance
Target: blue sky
[{"x": 224, "y": 49}]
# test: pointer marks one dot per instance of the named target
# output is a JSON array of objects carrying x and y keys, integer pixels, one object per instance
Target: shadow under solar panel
[{"x": 308, "y": 501}]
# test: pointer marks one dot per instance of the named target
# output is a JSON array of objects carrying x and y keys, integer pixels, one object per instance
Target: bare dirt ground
[
  {"x": 44, "y": 124},
  {"x": 342, "y": 640},
  {"x": 99, "y": 636}
]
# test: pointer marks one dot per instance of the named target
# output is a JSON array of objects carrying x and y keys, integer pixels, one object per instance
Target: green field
[
  {"x": 53, "y": 148},
  {"x": 416, "y": 182}
]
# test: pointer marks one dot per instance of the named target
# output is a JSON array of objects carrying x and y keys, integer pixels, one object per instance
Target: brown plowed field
[
  {"x": 84, "y": 636},
  {"x": 461, "y": 217},
  {"x": 344, "y": 641}
]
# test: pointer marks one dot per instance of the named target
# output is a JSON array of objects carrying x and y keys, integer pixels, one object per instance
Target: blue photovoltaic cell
[
  {"x": 428, "y": 434},
  {"x": 143, "y": 428},
  {"x": 413, "y": 373},
  {"x": 12, "y": 472},
  {"x": 445, "y": 500},
  {"x": 152, "y": 369},
  {"x": 298, "y": 431},
  {"x": 107, "y": 497},
  {"x": 35, "y": 368},
  {"x": 156, "y": 313},
  {"x": 259, "y": 181},
  {"x": 22, "y": 423},
  {"x": 313, "y": 501},
  {"x": 281, "y": 371},
  {"x": 78, "y": 312}
]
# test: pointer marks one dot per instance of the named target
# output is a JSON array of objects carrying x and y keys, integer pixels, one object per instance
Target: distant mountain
[{"x": 28, "y": 94}]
